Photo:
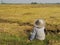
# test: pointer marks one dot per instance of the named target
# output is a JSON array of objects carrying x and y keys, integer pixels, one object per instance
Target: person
[{"x": 38, "y": 30}]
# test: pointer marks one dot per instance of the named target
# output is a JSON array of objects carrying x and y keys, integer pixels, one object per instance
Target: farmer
[{"x": 38, "y": 30}]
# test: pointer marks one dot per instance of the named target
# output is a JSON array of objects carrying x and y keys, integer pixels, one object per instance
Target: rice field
[{"x": 17, "y": 20}]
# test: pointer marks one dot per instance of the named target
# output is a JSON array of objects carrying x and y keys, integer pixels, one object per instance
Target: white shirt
[{"x": 38, "y": 33}]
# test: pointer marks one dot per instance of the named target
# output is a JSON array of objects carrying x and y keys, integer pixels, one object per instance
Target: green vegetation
[{"x": 8, "y": 39}]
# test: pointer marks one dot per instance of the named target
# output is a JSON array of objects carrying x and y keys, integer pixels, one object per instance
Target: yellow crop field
[
  {"x": 29, "y": 13},
  {"x": 16, "y": 19}
]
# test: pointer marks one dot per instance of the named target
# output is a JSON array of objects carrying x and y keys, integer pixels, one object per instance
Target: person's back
[
  {"x": 40, "y": 34},
  {"x": 38, "y": 30}
]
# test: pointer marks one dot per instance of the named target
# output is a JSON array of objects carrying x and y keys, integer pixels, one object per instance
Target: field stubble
[{"x": 16, "y": 22}]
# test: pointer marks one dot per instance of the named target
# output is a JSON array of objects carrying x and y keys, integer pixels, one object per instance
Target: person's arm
[{"x": 33, "y": 34}]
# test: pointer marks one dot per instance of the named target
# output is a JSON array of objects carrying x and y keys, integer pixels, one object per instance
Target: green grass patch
[{"x": 8, "y": 39}]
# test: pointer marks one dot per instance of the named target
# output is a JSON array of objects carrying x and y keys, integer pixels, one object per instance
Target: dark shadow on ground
[{"x": 20, "y": 23}]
